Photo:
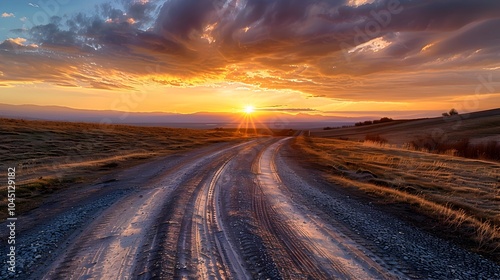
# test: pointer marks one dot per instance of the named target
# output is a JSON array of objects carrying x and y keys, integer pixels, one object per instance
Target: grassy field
[
  {"x": 461, "y": 195},
  {"x": 478, "y": 127},
  {"x": 52, "y": 155}
]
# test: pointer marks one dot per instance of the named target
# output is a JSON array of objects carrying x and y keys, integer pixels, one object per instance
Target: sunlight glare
[{"x": 249, "y": 109}]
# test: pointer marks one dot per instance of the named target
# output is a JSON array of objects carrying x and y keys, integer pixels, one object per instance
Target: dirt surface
[{"x": 227, "y": 211}]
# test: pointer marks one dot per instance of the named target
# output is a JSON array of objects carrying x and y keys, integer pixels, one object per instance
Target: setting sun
[{"x": 249, "y": 109}]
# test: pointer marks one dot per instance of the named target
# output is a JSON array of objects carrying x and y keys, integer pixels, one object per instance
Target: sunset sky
[{"x": 332, "y": 57}]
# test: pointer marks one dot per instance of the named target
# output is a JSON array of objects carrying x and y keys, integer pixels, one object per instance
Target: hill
[
  {"x": 198, "y": 120},
  {"x": 477, "y": 126}
]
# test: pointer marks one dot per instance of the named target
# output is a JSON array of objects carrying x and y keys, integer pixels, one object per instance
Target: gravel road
[{"x": 227, "y": 211}]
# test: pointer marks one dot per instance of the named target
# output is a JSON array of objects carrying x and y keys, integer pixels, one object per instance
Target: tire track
[
  {"x": 236, "y": 192},
  {"x": 290, "y": 253},
  {"x": 221, "y": 261},
  {"x": 315, "y": 253},
  {"x": 231, "y": 258},
  {"x": 186, "y": 246},
  {"x": 208, "y": 259},
  {"x": 119, "y": 243}
]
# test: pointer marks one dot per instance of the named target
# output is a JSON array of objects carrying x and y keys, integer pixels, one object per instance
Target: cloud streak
[
  {"x": 289, "y": 110},
  {"x": 332, "y": 49}
]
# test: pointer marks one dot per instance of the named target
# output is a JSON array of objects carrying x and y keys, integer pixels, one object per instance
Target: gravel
[{"x": 35, "y": 246}]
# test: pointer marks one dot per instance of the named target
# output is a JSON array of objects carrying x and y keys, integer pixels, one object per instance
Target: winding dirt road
[{"x": 233, "y": 211}]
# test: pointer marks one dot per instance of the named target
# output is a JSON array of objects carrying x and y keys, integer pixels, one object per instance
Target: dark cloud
[
  {"x": 319, "y": 47},
  {"x": 178, "y": 20},
  {"x": 484, "y": 35},
  {"x": 445, "y": 15},
  {"x": 141, "y": 12},
  {"x": 52, "y": 34}
]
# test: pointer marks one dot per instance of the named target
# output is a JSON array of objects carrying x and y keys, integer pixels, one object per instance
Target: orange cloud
[{"x": 348, "y": 50}]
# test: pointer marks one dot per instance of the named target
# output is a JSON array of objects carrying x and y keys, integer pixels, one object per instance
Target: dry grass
[
  {"x": 52, "y": 155},
  {"x": 462, "y": 194}
]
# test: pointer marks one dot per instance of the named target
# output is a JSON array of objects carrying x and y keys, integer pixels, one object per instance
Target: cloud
[
  {"x": 19, "y": 41},
  {"x": 6, "y": 15},
  {"x": 285, "y": 110},
  {"x": 337, "y": 49},
  {"x": 33, "y": 5},
  {"x": 16, "y": 45}
]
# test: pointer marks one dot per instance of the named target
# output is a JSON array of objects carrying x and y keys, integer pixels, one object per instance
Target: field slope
[
  {"x": 52, "y": 155},
  {"x": 477, "y": 126}
]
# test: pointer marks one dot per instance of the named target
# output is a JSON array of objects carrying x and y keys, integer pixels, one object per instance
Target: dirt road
[{"x": 229, "y": 211}]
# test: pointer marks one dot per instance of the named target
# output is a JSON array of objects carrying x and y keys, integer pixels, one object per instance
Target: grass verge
[{"x": 461, "y": 197}]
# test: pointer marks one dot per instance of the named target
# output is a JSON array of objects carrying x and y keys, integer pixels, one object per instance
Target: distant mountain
[{"x": 201, "y": 119}]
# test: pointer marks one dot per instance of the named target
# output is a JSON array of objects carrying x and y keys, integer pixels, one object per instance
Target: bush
[
  {"x": 452, "y": 112},
  {"x": 375, "y": 138},
  {"x": 382, "y": 120},
  {"x": 489, "y": 150},
  {"x": 428, "y": 142}
]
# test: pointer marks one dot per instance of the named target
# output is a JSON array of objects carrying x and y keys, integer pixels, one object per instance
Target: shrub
[
  {"x": 382, "y": 120},
  {"x": 452, "y": 112},
  {"x": 428, "y": 142},
  {"x": 489, "y": 150},
  {"x": 375, "y": 138}
]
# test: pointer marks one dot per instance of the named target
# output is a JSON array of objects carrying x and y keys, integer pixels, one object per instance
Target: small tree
[{"x": 453, "y": 112}]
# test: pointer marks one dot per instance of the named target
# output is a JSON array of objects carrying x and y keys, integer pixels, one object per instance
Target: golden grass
[
  {"x": 52, "y": 155},
  {"x": 462, "y": 194}
]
